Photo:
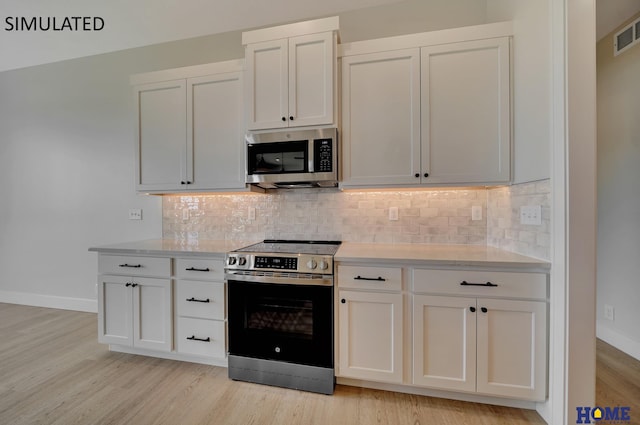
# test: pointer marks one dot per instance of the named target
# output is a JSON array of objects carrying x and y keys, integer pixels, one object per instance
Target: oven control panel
[
  {"x": 280, "y": 263},
  {"x": 300, "y": 263}
]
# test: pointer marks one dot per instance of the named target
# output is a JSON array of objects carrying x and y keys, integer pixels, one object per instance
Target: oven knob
[
  {"x": 323, "y": 265},
  {"x": 312, "y": 264},
  {"x": 231, "y": 261},
  {"x": 242, "y": 261}
]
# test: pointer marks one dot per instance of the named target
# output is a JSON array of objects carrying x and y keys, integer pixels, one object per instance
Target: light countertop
[
  {"x": 402, "y": 254},
  {"x": 174, "y": 247},
  {"x": 441, "y": 255}
]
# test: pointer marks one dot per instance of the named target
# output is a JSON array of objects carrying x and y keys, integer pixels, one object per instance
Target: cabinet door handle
[
  {"x": 193, "y": 269},
  {"x": 417, "y": 175},
  {"x": 426, "y": 174},
  {"x": 133, "y": 285},
  {"x": 291, "y": 118},
  {"x": 128, "y": 284},
  {"x": 377, "y": 279},
  {"x": 343, "y": 301},
  {"x": 193, "y": 338},
  {"x": 193, "y": 300},
  {"x": 484, "y": 309},
  {"x": 284, "y": 118},
  {"x": 133, "y": 266},
  {"x": 473, "y": 309},
  {"x": 465, "y": 283}
]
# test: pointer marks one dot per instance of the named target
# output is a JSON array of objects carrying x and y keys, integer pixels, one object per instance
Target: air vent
[{"x": 627, "y": 37}]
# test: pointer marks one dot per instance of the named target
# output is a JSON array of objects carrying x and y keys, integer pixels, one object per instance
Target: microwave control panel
[{"x": 323, "y": 155}]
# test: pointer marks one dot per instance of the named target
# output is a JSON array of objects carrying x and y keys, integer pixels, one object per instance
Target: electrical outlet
[
  {"x": 252, "y": 213},
  {"x": 609, "y": 312},
  {"x": 135, "y": 214},
  {"x": 393, "y": 213},
  {"x": 476, "y": 213},
  {"x": 531, "y": 214}
]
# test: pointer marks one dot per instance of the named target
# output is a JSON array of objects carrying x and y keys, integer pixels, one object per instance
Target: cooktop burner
[{"x": 293, "y": 247}]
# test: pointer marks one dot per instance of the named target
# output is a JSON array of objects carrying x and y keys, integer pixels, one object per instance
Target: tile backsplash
[{"x": 436, "y": 216}]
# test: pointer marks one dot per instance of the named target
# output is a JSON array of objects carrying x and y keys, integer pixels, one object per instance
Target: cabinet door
[
  {"x": 161, "y": 136},
  {"x": 311, "y": 68},
  {"x": 152, "y": 314},
  {"x": 267, "y": 84},
  {"x": 115, "y": 310},
  {"x": 512, "y": 348},
  {"x": 381, "y": 118},
  {"x": 370, "y": 328},
  {"x": 215, "y": 152},
  {"x": 444, "y": 338},
  {"x": 466, "y": 117}
]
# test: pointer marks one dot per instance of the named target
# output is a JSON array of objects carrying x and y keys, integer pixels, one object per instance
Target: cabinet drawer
[
  {"x": 201, "y": 269},
  {"x": 370, "y": 277},
  {"x": 134, "y": 266},
  {"x": 512, "y": 285},
  {"x": 201, "y": 337},
  {"x": 203, "y": 300}
]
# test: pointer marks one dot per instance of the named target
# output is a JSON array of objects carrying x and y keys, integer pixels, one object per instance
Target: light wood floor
[{"x": 53, "y": 371}]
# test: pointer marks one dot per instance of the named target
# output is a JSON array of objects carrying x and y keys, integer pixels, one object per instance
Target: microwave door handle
[{"x": 310, "y": 153}]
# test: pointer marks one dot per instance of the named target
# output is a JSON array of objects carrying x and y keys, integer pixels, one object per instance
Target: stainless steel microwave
[{"x": 291, "y": 159}]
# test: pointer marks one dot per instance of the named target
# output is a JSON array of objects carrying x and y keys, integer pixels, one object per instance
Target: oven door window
[
  {"x": 292, "y": 318},
  {"x": 281, "y": 322},
  {"x": 278, "y": 158}
]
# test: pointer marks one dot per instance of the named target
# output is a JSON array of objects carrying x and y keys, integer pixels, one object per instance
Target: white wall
[
  {"x": 67, "y": 163},
  {"x": 619, "y": 195},
  {"x": 66, "y": 151}
]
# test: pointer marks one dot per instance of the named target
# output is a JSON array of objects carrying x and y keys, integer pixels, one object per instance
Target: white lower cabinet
[
  {"x": 512, "y": 348},
  {"x": 444, "y": 342},
  {"x": 371, "y": 335},
  {"x": 370, "y": 323},
  {"x": 481, "y": 332},
  {"x": 135, "y": 312},
  {"x": 173, "y": 307},
  {"x": 475, "y": 343}
]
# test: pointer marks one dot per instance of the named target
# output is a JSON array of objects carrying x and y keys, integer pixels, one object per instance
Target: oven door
[{"x": 291, "y": 323}]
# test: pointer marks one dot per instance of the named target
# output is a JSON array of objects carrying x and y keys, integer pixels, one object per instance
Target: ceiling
[{"x": 135, "y": 23}]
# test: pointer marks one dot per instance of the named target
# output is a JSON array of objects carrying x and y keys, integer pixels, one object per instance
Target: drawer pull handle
[
  {"x": 377, "y": 279},
  {"x": 465, "y": 283},
  {"x": 193, "y": 269},
  {"x": 193, "y": 338},
  {"x": 133, "y": 266},
  {"x": 198, "y": 301}
]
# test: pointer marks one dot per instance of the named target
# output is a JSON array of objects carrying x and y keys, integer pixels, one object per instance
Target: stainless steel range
[{"x": 280, "y": 296}]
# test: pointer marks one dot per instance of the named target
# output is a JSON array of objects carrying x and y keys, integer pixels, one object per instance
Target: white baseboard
[
  {"x": 621, "y": 342},
  {"x": 50, "y": 301}
]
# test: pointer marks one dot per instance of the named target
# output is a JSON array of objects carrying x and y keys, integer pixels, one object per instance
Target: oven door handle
[{"x": 284, "y": 280}]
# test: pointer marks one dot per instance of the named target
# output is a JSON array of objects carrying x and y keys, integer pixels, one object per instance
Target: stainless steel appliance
[
  {"x": 290, "y": 159},
  {"x": 280, "y": 298}
]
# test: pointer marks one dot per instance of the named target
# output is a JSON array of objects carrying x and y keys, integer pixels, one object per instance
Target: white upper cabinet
[
  {"x": 381, "y": 118},
  {"x": 190, "y": 129},
  {"x": 161, "y": 141},
  {"x": 428, "y": 109},
  {"x": 466, "y": 115},
  {"x": 291, "y": 75}
]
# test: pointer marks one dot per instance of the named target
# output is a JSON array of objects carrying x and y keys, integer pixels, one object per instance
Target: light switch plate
[
  {"x": 393, "y": 213},
  {"x": 135, "y": 214},
  {"x": 476, "y": 213},
  {"x": 531, "y": 214}
]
